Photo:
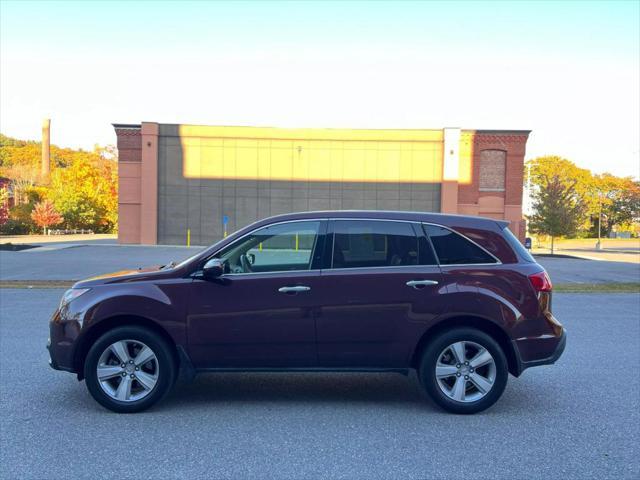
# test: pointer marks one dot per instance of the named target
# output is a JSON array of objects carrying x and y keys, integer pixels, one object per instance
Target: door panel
[
  {"x": 245, "y": 321},
  {"x": 260, "y": 313},
  {"x": 371, "y": 317}
]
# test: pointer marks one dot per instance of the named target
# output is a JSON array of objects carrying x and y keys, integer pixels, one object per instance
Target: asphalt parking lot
[
  {"x": 577, "y": 419},
  {"x": 63, "y": 262},
  {"x": 75, "y": 262}
]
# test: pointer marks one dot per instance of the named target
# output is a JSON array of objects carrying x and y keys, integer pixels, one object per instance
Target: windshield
[{"x": 183, "y": 262}]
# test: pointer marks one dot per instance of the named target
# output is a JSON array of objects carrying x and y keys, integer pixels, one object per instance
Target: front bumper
[
  {"x": 64, "y": 330},
  {"x": 52, "y": 362},
  {"x": 551, "y": 345}
]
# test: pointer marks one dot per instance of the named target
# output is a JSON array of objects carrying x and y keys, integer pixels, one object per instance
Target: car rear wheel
[
  {"x": 463, "y": 370},
  {"x": 128, "y": 369}
]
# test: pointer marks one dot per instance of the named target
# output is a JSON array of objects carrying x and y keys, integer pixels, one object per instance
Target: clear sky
[{"x": 568, "y": 71}]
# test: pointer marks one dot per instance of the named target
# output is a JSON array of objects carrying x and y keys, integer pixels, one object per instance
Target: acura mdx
[{"x": 457, "y": 299}]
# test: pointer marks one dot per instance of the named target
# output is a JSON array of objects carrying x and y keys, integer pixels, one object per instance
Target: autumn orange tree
[
  {"x": 4, "y": 210},
  {"x": 85, "y": 194},
  {"x": 44, "y": 214}
]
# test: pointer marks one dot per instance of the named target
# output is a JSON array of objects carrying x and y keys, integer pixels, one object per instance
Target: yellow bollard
[
  {"x": 188, "y": 237},
  {"x": 297, "y": 242}
]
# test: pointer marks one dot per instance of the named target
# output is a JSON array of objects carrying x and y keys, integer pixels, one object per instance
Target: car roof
[{"x": 426, "y": 217}]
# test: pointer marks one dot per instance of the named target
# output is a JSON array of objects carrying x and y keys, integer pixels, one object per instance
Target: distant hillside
[
  {"x": 14, "y": 152},
  {"x": 82, "y": 186}
]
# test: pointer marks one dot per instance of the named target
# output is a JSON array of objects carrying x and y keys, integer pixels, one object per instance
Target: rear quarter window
[
  {"x": 514, "y": 243},
  {"x": 454, "y": 249}
]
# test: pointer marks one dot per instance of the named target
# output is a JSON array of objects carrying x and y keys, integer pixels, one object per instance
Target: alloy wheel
[
  {"x": 465, "y": 371},
  {"x": 128, "y": 370}
]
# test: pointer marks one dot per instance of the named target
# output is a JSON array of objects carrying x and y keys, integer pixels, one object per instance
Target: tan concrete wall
[{"x": 246, "y": 174}]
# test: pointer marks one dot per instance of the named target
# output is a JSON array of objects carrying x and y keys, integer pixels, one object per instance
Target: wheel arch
[
  {"x": 482, "y": 324},
  {"x": 100, "y": 328}
]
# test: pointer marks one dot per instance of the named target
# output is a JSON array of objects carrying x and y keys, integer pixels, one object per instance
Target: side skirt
[{"x": 403, "y": 371}]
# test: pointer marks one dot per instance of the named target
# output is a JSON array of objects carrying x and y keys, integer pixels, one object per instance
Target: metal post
[
  {"x": 188, "y": 237},
  {"x": 598, "y": 245}
]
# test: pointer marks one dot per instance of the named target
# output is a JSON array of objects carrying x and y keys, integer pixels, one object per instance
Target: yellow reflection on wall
[
  {"x": 311, "y": 154},
  {"x": 465, "y": 169}
]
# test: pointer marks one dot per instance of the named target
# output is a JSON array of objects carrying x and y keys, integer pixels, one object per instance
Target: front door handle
[
  {"x": 418, "y": 284},
  {"x": 296, "y": 289}
]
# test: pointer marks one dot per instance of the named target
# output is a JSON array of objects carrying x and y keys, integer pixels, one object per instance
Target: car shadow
[
  {"x": 349, "y": 390},
  {"x": 320, "y": 388}
]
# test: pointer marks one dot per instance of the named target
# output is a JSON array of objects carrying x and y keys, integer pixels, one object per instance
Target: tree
[
  {"x": 558, "y": 208},
  {"x": 618, "y": 203},
  {"x": 23, "y": 178},
  {"x": 4, "y": 205},
  {"x": 83, "y": 186},
  {"x": 45, "y": 215},
  {"x": 85, "y": 193},
  {"x": 567, "y": 178}
]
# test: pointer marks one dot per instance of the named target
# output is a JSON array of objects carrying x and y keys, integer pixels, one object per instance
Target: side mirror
[{"x": 214, "y": 268}]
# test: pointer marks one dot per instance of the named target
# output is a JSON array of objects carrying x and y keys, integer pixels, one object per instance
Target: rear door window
[
  {"x": 454, "y": 249},
  {"x": 371, "y": 243}
]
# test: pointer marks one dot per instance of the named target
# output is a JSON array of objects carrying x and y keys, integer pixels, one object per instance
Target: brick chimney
[{"x": 45, "y": 166}]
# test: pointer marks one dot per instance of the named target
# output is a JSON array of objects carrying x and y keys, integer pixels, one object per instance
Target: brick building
[{"x": 211, "y": 180}]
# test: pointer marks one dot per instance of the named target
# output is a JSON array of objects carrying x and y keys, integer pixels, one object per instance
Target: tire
[
  {"x": 449, "y": 388},
  {"x": 146, "y": 377}
]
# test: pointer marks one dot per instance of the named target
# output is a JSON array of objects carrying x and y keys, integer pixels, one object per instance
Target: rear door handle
[
  {"x": 418, "y": 284},
  {"x": 296, "y": 289}
]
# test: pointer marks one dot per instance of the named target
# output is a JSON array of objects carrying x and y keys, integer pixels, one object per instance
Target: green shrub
[{"x": 14, "y": 227}]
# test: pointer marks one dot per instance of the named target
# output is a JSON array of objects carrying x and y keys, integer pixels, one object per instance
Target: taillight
[{"x": 541, "y": 282}]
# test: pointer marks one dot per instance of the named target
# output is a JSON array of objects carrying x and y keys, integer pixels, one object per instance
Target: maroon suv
[{"x": 456, "y": 298}]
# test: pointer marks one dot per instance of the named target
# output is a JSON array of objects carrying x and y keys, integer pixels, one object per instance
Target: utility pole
[
  {"x": 598, "y": 245},
  {"x": 527, "y": 203}
]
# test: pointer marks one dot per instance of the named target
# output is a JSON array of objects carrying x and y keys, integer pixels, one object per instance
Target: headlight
[{"x": 72, "y": 294}]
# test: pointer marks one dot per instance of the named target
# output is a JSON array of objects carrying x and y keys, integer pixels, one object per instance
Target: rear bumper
[{"x": 552, "y": 346}]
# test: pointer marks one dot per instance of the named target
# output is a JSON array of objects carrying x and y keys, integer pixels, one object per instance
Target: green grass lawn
[
  {"x": 597, "y": 287},
  {"x": 566, "y": 243}
]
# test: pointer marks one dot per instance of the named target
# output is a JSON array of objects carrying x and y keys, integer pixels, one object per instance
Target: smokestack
[{"x": 45, "y": 167}]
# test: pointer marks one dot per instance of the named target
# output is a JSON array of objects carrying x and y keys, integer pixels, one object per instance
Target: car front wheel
[
  {"x": 128, "y": 369},
  {"x": 464, "y": 370}
]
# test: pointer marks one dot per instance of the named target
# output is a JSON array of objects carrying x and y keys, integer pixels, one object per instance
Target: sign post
[{"x": 225, "y": 222}]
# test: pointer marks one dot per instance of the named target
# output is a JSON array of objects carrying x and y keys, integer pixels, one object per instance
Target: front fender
[
  {"x": 164, "y": 304},
  {"x": 75, "y": 326}
]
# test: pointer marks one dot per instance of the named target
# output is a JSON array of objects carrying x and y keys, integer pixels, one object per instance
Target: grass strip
[
  {"x": 611, "y": 287},
  {"x": 36, "y": 283}
]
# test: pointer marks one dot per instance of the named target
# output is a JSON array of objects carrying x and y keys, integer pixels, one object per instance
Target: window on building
[
  {"x": 276, "y": 248},
  {"x": 364, "y": 243},
  {"x": 454, "y": 249},
  {"x": 492, "y": 170}
]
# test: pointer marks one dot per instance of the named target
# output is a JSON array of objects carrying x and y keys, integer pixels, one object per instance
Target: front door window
[{"x": 275, "y": 248}]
